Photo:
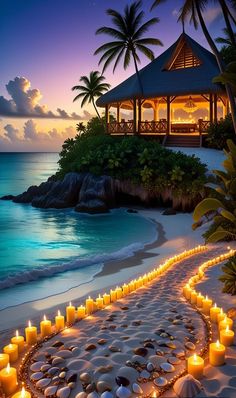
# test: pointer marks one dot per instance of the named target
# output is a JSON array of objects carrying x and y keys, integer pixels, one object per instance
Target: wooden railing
[
  {"x": 203, "y": 125},
  {"x": 120, "y": 127},
  {"x": 153, "y": 127}
]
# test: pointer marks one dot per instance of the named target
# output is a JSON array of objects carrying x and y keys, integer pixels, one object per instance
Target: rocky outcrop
[{"x": 94, "y": 194}]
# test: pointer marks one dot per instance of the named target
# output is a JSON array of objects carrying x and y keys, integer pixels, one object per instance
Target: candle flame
[
  {"x": 70, "y": 304},
  {"x": 44, "y": 318},
  {"x": 218, "y": 344},
  {"x": 227, "y": 328},
  {"x": 194, "y": 357},
  {"x": 154, "y": 394},
  {"x": 89, "y": 297},
  {"x": 225, "y": 320},
  {"x": 22, "y": 395},
  {"x": 99, "y": 295},
  {"x": 228, "y": 247},
  {"x": 215, "y": 305},
  {"x": 59, "y": 313},
  {"x": 206, "y": 297},
  {"x": 10, "y": 345},
  {"x": 8, "y": 368},
  {"x": 17, "y": 333},
  {"x": 221, "y": 310},
  {"x": 29, "y": 324}
]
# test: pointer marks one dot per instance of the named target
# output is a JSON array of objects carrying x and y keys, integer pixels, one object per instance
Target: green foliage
[
  {"x": 229, "y": 276},
  {"x": 228, "y": 76},
  {"x": 218, "y": 133},
  {"x": 137, "y": 160},
  {"x": 222, "y": 201}
]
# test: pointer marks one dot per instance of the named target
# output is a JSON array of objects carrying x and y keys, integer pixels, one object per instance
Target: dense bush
[
  {"x": 221, "y": 202},
  {"x": 218, "y": 133},
  {"x": 229, "y": 276},
  {"x": 137, "y": 160}
]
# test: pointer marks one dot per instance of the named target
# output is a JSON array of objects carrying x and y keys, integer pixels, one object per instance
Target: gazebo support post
[
  {"x": 168, "y": 116},
  {"x": 211, "y": 108},
  {"x": 107, "y": 118},
  {"x": 215, "y": 108},
  {"x": 118, "y": 112},
  {"x": 135, "y": 116},
  {"x": 139, "y": 115}
]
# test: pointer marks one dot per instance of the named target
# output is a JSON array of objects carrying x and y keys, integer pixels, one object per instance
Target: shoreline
[{"x": 166, "y": 244}]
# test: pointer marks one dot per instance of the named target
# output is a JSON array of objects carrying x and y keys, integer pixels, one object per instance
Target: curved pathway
[{"x": 155, "y": 321}]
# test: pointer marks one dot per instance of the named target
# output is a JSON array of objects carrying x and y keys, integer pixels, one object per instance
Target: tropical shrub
[
  {"x": 229, "y": 276},
  {"x": 222, "y": 201},
  {"x": 218, "y": 133},
  {"x": 137, "y": 160}
]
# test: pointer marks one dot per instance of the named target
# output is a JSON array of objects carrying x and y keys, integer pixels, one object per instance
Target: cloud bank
[
  {"x": 33, "y": 140},
  {"x": 24, "y": 102}
]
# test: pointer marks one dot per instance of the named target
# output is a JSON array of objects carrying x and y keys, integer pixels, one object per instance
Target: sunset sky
[{"x": 46, "y": 45}]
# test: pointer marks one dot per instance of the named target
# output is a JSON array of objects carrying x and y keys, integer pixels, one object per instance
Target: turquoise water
[{"x": 45, "y": 252}]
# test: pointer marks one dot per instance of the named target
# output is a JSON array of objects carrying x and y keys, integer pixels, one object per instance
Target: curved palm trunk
[
  {"x": 96, "y": 109},
  {"x": 219, "y": 62},
  {"x": 228, "y": 25},
  {"x": 137, "y": 72}
]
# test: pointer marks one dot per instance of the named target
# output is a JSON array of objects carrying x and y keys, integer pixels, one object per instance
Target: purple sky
[{"x": 51, "y": 44}]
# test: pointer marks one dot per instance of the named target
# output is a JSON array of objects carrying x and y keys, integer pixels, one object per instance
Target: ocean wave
[{"x": 52, "y": 270}]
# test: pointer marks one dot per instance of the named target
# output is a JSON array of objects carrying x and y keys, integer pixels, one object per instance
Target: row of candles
[
  {"x": 217, "y": 350},
  {"x": 8, "y": 374}
]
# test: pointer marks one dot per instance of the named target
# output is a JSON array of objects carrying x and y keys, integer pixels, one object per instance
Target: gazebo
[{"x": 178, "y": 91}]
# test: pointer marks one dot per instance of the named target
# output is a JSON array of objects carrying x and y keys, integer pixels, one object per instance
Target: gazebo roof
[{"x": 185, "y": 68}]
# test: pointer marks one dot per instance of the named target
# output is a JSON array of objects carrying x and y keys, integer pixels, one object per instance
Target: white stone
[
  {"x": 36, "y": 376},
  {"x": 160, "y": 382},
  {"x": 43, "y": 383},
  {"x": 167, "y": 367},
  {"x": 63, "y": 392},
  {"x": 137, "y": 389},
  {"x": 36, "y": 366},
  {"x": 65, "y": 354},
  {"x": 123, "y": 392},
  {"x": 50, "y": 391},
  {"x": 107, "y": 394}
]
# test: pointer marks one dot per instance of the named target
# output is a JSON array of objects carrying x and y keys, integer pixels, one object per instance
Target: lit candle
[
  {"x": 206, "y": 305},
  {"x": 125, "y": 289},
  {"x": 8, "y": 379},
  {"x": 106, "y": 299},
  {"x": 31, "y": 334},
  {"x": 216, "y": 354},
  {"x": 226, "y": 322},
  {"x": 18, "y": 340},
  {"x": 59, "y": 321},
  {"x": 45, "y": 327},
  {"x": 227, "y": 336},
  {"x": 113, "y": 295},
  {"x": 193, "y": 298},
  {"x": 22, "y": 394},
  {"x": 4, "y": 360},
  {"x": 195, "y": 366},
  {"x": 81, "y": 312},
  {"x": 119, "y": 292},
  {"x": 99, "y": 301},
  {"x": 200, "y": 297},
  {"x": 214, "y": 311},
  {"x": 89, "y": 305},
  {"x": 131, "y": 286},
  {"x": 12, "y": 351},
  {"x": 187, "y": 291},
  {"x": 70, "y": 314},
  {"x": 221, "y": 315}
]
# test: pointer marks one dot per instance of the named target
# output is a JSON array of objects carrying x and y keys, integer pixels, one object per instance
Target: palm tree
[
  {"x": 127, "y": 35},
  {"x": 226, "y": 40},
  {"x": 94, "y": 86},
  {"x": 194, "y": 9},
  {"x": 80, "y": 127}
]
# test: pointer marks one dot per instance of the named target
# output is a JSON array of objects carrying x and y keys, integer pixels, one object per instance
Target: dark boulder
[
  {"x": 169, "y": 212},
  {"x": 7, "y": 197},
  {"x": 92, "y": 206}
]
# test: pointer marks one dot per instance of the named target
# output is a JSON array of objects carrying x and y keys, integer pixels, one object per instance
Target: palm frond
[{"x": 146, "y": 51}]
